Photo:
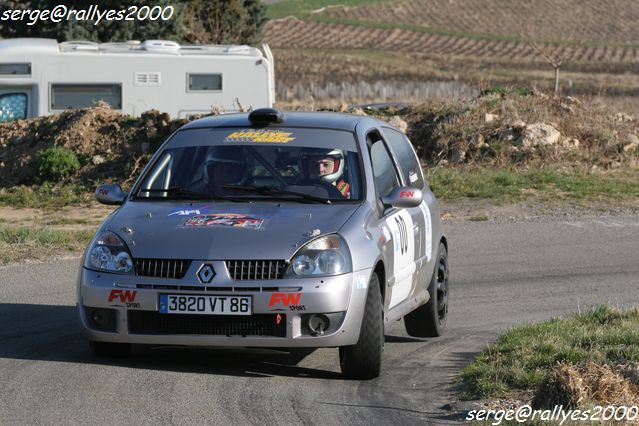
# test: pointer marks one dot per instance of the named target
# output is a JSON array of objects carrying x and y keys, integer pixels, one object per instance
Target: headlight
[
  {"x": 110, "y": 254},
  {"x": 328, "y": 255}
]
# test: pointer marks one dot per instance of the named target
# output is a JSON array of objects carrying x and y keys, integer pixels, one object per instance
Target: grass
[
  {"x": 46, "y": 196},
  {"x": 522, "y": 357},
  {"x": 510, "y": 185},
  {"x": 68, "y": 221},
  {"x": 17, "y": 244}
]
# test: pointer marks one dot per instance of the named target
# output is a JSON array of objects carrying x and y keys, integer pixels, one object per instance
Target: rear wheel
[
  {"x": 363, "y": 360},
  {"x": 108, "y": 349},
  {"x": 429, "y": 320}
]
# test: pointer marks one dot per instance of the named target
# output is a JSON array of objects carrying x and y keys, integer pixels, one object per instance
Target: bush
[
  {"x": 503, "y": 91},
  {"x": 56, "y": 163}
]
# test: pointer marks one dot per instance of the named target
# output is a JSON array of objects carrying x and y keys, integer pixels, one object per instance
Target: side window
[
  {"x": 204, "y": 82},
  {"x": 70, "y": 96},
  {"x": 13, "y": 106},
  {"x": 15, "y": 69},
  {"x": 406, "y": 158},
  {"x": 384, "y": 171}
]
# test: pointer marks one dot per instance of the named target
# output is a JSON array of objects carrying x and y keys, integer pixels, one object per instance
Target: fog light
[
  {"x": 101, "y": 319},
  {"x": 318, "y": 324}
]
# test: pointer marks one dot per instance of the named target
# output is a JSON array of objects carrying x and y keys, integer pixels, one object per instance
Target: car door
[
  {"x": 396, "y": 224},
  {"x": 412, "y": 176}
]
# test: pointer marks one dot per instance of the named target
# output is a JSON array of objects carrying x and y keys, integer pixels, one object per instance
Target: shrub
[
  {"x": 499, "y": 90},
  {"x": 56, "y": 163}
]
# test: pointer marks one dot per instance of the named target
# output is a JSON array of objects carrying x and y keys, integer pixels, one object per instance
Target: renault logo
[{"x": 206, "y": 273}]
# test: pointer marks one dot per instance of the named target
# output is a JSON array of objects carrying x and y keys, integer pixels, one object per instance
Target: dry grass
[
  {"x": 458, "y": 132},
  {"x": 589, "y": 383},
  {"x": 587, "y": 358},
  {"x": 18, "y": 244}
]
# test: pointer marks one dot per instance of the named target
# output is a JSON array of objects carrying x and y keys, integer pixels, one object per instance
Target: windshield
[{"x": 306, "y": 165}]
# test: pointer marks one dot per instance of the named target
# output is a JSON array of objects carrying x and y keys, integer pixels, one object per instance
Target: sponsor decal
[
  {"x": 297, "y": 307},
  {"x": 126, "y": 297},
  {"x": 260, "y": 136},
  {"x": 189, "y": 211},
  {"x": 224, "y": 219},
  {"x": 103, "y": 191},
  {"x": 278, "y": 319},
  {"x": 184, "y": 212},
  {"x": 406, "y": 194},
  {"x": 412, "y": 177},
  {"x": 285, "y": 299}
]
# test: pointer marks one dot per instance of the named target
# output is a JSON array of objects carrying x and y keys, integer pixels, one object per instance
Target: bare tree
[
  {"x": 555, "y": 54},
  {"x": 560, "y": 49}
]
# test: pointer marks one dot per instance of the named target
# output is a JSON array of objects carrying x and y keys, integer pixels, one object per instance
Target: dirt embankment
[
  {"x": 498, "y": 129},
  {"x": 108, "y": 144}
]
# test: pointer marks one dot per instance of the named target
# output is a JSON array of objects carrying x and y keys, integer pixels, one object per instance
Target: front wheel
[
  {"x": 363, "y": 360},
  {"x": 429, "y": 320}
]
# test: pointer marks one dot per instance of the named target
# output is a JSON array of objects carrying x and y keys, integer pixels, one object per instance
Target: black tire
[
  {"x": 429, "y": 320},
  {"x": 363, "y": 360},
  {"x": 107, "y": 349}
]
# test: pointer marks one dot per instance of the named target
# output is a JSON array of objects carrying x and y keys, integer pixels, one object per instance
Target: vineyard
[
  {"x": 612, "y": 22},
  {"x": 294, "y": 33},
  {"x": 379, "y": 50}
]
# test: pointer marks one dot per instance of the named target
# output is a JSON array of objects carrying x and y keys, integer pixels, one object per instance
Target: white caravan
[{"x": 41, "y": 77}]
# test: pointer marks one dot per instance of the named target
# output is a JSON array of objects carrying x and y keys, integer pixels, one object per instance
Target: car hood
[{"x": 222, "y": 231}]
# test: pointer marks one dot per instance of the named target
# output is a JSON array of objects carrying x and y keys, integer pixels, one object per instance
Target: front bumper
[{"x": 342, "y": 298}]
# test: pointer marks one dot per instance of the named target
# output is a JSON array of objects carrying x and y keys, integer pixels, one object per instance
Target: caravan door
[{"x": 15, "y": 103}]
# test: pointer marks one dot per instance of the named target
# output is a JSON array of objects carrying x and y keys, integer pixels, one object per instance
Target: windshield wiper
[
  {"x": 269, "y": 190},
  {"x": 185, "y": 193}
]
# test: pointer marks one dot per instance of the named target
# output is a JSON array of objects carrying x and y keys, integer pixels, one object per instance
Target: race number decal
[
  {"x": 428, "y": 231},
  {"x": 401, "y": 228}
]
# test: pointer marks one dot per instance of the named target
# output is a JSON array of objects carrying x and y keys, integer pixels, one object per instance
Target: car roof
[{"x": 321, "y": 120}]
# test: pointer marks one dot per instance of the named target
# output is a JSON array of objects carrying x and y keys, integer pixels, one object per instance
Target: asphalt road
[{"x": 502, "y": 274}]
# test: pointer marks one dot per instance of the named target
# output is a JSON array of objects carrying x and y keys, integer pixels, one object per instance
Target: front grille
[
  {"x": 256, "y": 269},
  {"x": 150, "y": 322},
  {"x": 161, "y": 268}
]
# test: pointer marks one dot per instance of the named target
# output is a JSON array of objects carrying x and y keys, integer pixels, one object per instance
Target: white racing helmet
[{"x": 310, "y": 159}]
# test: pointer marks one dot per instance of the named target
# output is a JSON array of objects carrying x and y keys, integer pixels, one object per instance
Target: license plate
[{"x": 207, "y": 305}]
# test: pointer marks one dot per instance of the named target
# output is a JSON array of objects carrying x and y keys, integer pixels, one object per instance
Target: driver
[
  {"x": 329, "y": 167},
  {"x": 226, "y": 166}
]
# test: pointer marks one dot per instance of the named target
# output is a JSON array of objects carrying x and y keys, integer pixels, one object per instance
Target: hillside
[{"x": 475, "y": 42}]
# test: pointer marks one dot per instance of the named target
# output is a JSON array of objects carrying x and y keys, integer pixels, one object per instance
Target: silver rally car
[{"x": 270, "y": 229}]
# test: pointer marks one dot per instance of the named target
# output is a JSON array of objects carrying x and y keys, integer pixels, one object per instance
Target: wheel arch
[
  {"x": 380, "y": 270},
  {"x": 445, "y": 242}
]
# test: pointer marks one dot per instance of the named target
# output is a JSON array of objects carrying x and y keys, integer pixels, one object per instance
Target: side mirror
[
  {"x": 404, "y": 197},
  {"x": 110, "y": 194}
]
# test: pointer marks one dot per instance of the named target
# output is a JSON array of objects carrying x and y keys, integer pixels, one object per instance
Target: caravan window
[
  {"x": 70, "y": 96},
  {"x": 13, "y": 106},
  {"x": 15, "y": 69},
  {"x": 204, "y": 82}
]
